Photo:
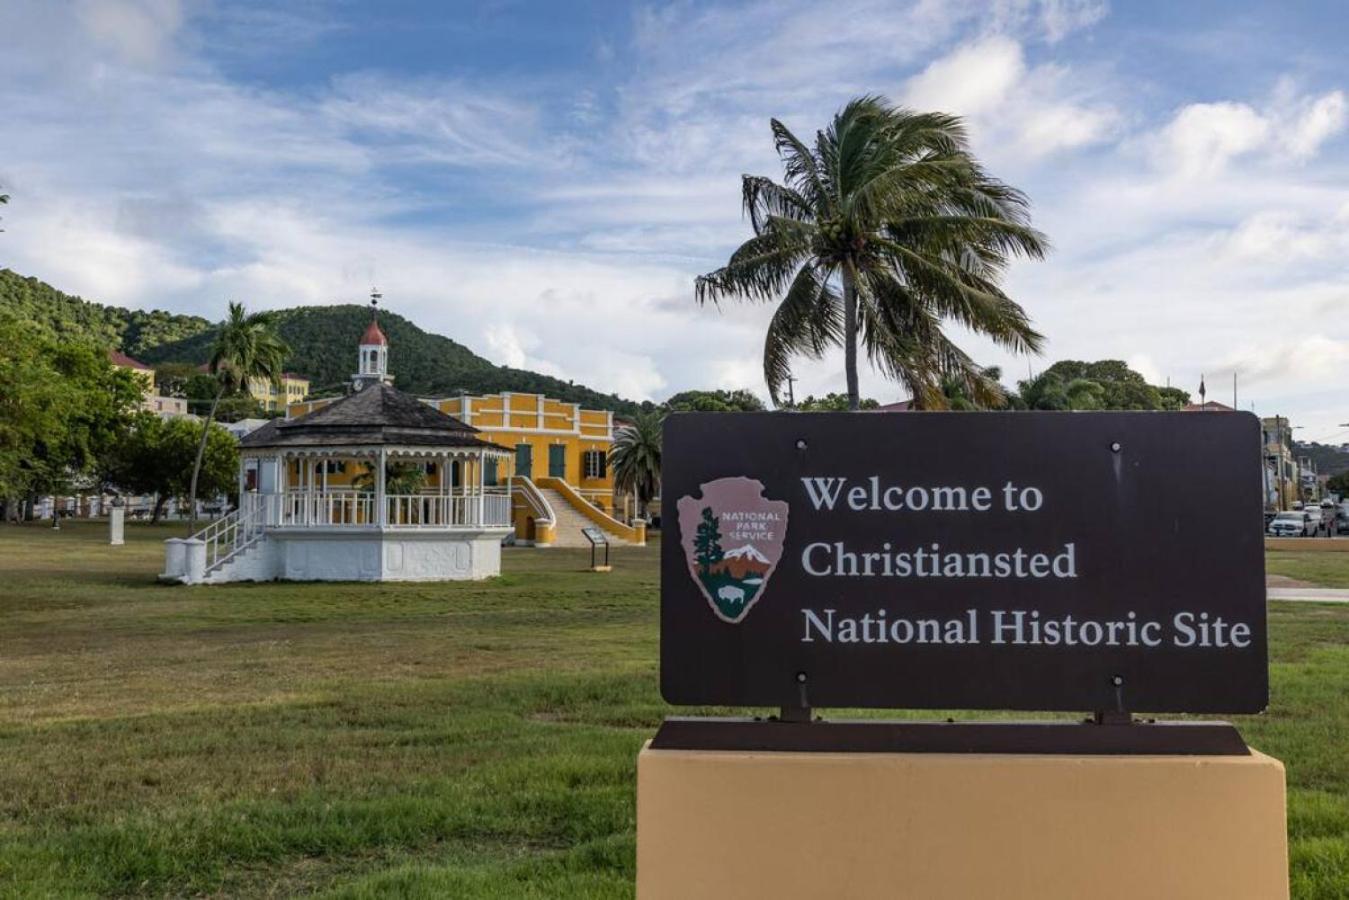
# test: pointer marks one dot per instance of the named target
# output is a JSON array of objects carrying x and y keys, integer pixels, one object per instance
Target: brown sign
[{"x": 1031, "y": 561}]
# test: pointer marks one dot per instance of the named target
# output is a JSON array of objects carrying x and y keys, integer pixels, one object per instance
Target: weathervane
[{"x": 375, "y": 297}]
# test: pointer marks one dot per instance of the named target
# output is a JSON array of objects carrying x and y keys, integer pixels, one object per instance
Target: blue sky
[{"x": 541, "y": 181}]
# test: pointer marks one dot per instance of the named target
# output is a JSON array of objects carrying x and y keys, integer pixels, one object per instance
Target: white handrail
[
  {"x": 543, "y": 510},
  {"x": 231, "y": 534}
]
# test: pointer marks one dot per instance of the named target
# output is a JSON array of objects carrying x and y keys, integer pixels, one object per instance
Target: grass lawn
[
  {"x": 468, "y": 740},
  {"x": 1323, "y": 568}
]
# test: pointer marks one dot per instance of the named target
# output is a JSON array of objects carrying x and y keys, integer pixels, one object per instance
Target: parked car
[
  {"x": 1289, "y": 524},
  {"x": 1342, "y": 521},
  {"x": 1316, "y": 521}
]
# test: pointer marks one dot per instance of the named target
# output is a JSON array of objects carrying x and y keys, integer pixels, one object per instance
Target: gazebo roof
[{"x": 376, "y": 415}]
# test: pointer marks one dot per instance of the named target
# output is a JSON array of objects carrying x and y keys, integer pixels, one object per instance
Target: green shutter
[
  {"x": 557, "y": 461},
  {"x": 524, "y": 460}
]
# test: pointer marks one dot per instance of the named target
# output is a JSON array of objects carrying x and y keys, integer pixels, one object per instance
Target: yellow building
[
  {"x": 551, "y": 438},
  {"x": 559, "y": 474},
  {"x": 293, "y": 389}
]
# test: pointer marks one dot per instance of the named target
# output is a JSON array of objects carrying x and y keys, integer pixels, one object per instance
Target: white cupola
[{"x": 372, "y": 365}]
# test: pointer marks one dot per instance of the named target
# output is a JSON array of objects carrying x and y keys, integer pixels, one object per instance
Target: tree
[
  {"x": 1104, "y": 384},
  {"x": 63, "y": 407},
  {"x": 635, "y": 458},
  {"x": 172, "y": 378},
  {"x": 883, "y": 232},
  {"x": 707, "y": 542},
  {"x": 157, "y": 458},
  {"x": 832, "y": 403},
  {"x": 959, "y": 400},
  {"x": 715, "y": 401},
  {"x": 1339, "y": 484},
  {"x": 4, "y": 198},
  {"x": 246, "y": 347},
  {"x": 1173, "y": 398}
]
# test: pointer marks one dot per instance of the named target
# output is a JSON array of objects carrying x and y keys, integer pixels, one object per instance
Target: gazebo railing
[
  {"x": 328, "y": 508},
  {"x": 348, "y": 508},
  {"x": 490, "y": 507}
]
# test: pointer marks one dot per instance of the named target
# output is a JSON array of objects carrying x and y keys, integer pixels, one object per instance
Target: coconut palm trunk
[
  {"x": 246, "y": 349},
  {"x": 850, "y": 337},
  {"x": 196, "y": 467}
]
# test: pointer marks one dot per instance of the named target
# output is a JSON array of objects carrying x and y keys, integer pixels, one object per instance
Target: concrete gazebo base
[{"x": 343, "y": 554}]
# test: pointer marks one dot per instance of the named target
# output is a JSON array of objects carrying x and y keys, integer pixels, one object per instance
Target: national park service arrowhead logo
[{"x": 732, "y": 536}]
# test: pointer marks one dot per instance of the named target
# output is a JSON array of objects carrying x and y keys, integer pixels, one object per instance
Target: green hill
[
  {"x": 132, "y": 331},
  {"x": 322, "y": 340}
]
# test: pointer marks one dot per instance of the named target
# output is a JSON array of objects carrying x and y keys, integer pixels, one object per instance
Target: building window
[
  {"x": 595, "y": 464},
  {"x": 336, "y": 467},
  {"x": 490, "y": 470}
]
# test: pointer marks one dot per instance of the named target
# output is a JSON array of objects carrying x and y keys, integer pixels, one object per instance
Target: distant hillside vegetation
[
  {"x": 322, "y": 340},
  {"x": 1329, "y": 459},
  {"x": 133, "y": 331}
]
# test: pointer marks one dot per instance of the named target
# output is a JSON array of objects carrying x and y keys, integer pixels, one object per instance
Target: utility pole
[{"x": 791, "y": 394}]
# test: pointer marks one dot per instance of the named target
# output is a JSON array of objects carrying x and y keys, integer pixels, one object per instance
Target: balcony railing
[{"x": 357, "y": 509}]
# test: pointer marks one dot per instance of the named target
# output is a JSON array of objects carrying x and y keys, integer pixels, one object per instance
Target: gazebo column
[
  {"x": 381, "y": 508},
  {"x": 481, "y": 474}
]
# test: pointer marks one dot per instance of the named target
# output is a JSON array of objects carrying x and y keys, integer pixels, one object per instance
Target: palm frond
[
  {"x": 764, "y": 198},
  {"x": 807, "y": 321}
]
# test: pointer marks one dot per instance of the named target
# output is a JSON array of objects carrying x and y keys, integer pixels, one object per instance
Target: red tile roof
[
  {"x": 373, "y": 335},
  {"x": 119, "y": 358}
]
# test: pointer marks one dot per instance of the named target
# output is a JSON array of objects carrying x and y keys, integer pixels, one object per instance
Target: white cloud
[
  {"x": 1316, "y": 120},
  {"x": 1313, "y": 358},
  {"x": 1282, "y": 239},
  {"x": 138, "y": 32},
  {"x": 446, "y": 122},
  {"x": 1204, "y": 138},
  {"x": 973, "y": 80},
  {"x": 1015, "y": 113}
]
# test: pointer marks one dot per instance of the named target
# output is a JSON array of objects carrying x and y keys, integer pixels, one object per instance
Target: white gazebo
[{"x": 315, "y": 503}]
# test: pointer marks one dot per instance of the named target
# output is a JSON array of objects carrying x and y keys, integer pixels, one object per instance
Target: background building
[
  {"x": 151, "y": 399},
  {"x": 1282, "y": 472}
]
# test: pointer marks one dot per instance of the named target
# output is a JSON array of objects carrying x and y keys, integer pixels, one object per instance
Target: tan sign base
[{"x": 935, "y": 826}]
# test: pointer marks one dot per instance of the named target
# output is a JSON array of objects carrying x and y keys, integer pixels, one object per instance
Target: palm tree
[
  {"x": 882, "y": 232},
  {"x": 399, "y": 478},
  {"x": 635, "y": 458},
  {"x": 246, "y": 348}
]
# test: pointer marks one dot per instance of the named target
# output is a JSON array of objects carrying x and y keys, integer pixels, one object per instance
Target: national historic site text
[
  {"x": 1198, "y": 629},
  {"x": 1186, "y": 629}
]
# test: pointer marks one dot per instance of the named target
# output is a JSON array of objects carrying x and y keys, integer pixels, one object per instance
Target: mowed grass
[
  {"x": 1321, "y": 568},
  {"x": 456, "y": 740}
]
